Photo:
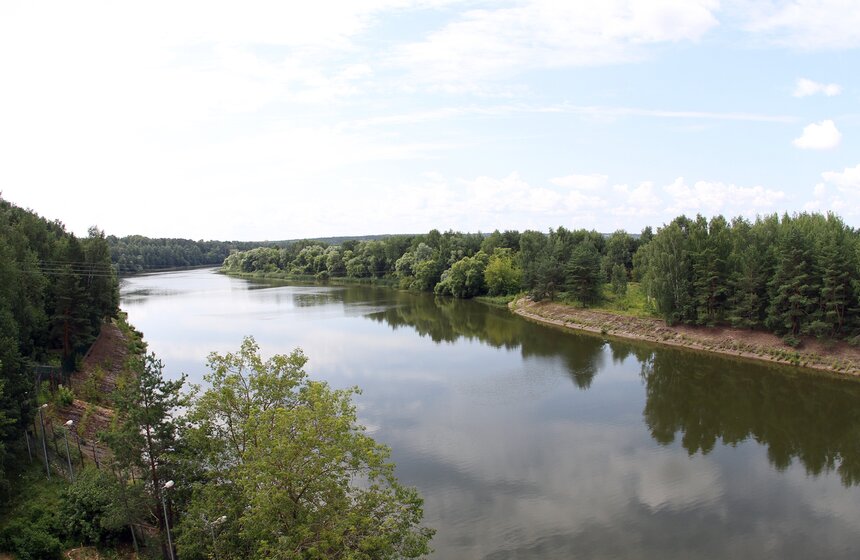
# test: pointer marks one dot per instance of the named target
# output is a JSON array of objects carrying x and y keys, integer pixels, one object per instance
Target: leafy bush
[
  {"x": 65, "y": 396},
  {"x": 792, "y": 340},
  {"x": 91, "y": 508},
  {"x": 30, "y": 542}
]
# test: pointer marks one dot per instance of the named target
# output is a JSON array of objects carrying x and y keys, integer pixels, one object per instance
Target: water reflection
[
  {"x": 530, "y": 442},
  {"x": 448, "y": 320},
  {"x": 796, "y": 415}
]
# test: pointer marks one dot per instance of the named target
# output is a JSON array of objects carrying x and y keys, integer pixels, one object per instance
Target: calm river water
[{"x": 528, "y": 442}]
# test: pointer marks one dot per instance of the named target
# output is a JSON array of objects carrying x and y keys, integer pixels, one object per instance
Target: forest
[
  {"x": 137, "y": 253},
  {"x": 55, "y": 291},
  {"x": 792, "y": 275}
]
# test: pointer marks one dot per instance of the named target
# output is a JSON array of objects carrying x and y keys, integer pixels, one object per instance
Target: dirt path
[{"x": 838, "y": 358}]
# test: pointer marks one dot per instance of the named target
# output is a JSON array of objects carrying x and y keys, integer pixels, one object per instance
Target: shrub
[
  {"x": 65, "y": 396},
  {"x": 91, "y": 508},
  {"x": 792, "y": 340},
  {"x": 30, "y": 542}
]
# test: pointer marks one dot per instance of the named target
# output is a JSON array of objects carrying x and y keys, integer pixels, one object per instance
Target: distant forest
[
  {"x": 136, "y": 253},
  {"x": 55, "y": 291},
  {"x": 792, "y": 275}
]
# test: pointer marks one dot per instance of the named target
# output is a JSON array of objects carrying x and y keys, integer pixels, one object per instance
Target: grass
[
  {"x": 498, "y": 301},
  {"x": 632, "y": 304}
]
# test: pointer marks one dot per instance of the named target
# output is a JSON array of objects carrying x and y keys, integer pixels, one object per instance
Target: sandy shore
[{"x": 839, "y": 358}]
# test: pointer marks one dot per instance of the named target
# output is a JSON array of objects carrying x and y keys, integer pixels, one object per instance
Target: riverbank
[
  {"x": 309, "y": 279},
  {"x": 834, "y": 357}
]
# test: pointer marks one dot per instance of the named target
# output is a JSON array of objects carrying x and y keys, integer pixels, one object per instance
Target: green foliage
[
  {"x": 796, "y": 275},
  {"x": 618, "y": 280},
  {"x": 791, "y": 274},
  {"x": 65, "y": 396},
  {"x": 465, "y": 278},
  {"x": 502, "y": 275},
  {"x": 144, "y": 436},
  {"x": 583, "y": 278},
  {"x": 55, "y": 291},
  {"x": 280, "y": 455},
  {"x": 30, "y": 524},
  {"x": 667, "y": 274},
  {"x": 92, "y": 510},
  {"x": 30, "y": 542}
]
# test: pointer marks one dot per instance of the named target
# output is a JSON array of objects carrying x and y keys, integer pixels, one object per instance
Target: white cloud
[
  {"x": 805, "y": 24},
  {"x": 582, "y": 182},
  {"x": 712, "y": 197},
  {"x": 492, "y": 43},
  {"x": 805, "y": 88},
  {"x": 642, "y": 201},
  {"x": 847, "y": 179},
  {"x": 819, "y": 136},
  {"x": 840, "y": 192}
]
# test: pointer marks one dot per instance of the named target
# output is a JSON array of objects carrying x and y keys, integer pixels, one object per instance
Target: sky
[{"x": 264, "y": 120}]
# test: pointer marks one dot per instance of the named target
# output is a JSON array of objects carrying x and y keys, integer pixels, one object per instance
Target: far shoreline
[{"x": 838, "y": 358}]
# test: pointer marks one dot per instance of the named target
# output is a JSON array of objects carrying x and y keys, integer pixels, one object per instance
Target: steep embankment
[
  {"x": 833, "y": 357},
  {"x": 94, "y": 386}
]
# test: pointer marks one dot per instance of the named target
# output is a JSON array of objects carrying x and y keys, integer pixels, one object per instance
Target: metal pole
[
  {"x": 69, "y": 455},
  {"x": 44, "y": 444},
  {"x": 167, "y": 524},
  {"x": 214, "y": 543},
  {"x": 27, "y": 439}
]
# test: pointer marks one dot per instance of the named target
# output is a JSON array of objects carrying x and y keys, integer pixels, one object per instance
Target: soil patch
[
  {"x": 94, "y": 386},
  {"x": 836, "y": 357}
]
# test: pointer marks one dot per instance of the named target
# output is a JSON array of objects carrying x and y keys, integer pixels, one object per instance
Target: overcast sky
[{"x": 276, "y": 120}]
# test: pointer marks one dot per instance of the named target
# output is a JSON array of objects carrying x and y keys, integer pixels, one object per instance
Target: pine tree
[
  {"x": 583, "y": 279},
  {"x": 792, "y": 289}
]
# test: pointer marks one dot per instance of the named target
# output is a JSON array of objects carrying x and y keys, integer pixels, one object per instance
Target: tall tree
[
  {"x": 144, "y": 436},
  {"x": 793, "y": 287},
  {"x": 291, "y": 469},
  {"x": 667, "y": 278},
  {"x": 583, "y": 278}
]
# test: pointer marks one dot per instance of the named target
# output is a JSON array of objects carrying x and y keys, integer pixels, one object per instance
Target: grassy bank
[{"x": 834, "y": 357}]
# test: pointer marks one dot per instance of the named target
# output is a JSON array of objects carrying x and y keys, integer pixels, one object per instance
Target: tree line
[
  {"x": 55, "y": 291},
  {"x": 462, "y": 265},
  {"x": 792, "y": 275},
  {"x": 137, "y": 253}
]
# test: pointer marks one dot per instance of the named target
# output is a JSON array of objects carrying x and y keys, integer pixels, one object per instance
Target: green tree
[
  {"x": 292, "y": 470},
  {"x": 665, "y": 265},
  {"x": 619, "y": 280},
  {"x": 93, "y": 509},
  {"x": 793, "y": 286},
  {"x": 145, "y": 435},
  {"x": 465, "y": 278},
  {"x": 502, "y": 275},
  {"x": 583, "y": 279}
]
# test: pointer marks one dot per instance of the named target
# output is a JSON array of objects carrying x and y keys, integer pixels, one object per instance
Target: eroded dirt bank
[{"x": 839, "y": 358}]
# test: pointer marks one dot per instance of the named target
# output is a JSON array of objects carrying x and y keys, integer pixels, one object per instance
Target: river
[{"x": 530, "y": 442}]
